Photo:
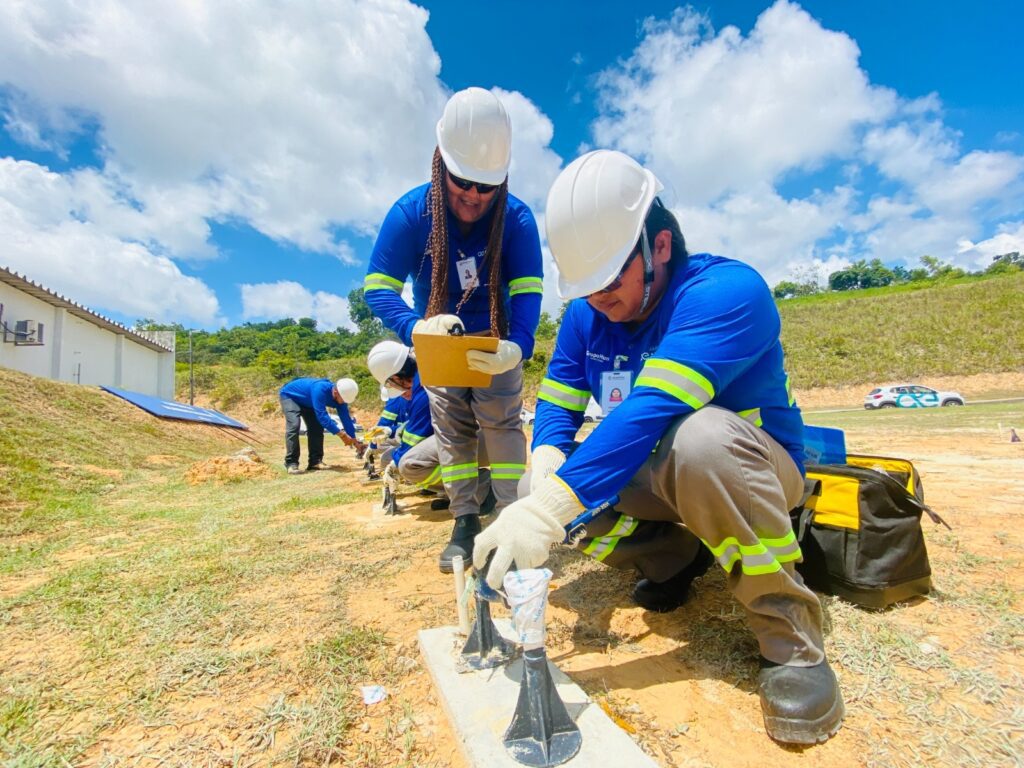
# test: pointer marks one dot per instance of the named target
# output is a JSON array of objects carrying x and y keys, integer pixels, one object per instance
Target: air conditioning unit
[{"x": 28, "y": 332}]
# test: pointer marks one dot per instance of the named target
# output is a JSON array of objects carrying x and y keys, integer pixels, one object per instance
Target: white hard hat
[
  {"x": 386, "y": 359},
  {"x": 347, "y": 389},
  {"x": 475, "y": 136},
  {"x": 595, "y": 213}
]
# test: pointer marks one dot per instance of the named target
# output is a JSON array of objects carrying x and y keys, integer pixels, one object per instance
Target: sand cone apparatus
[
  {"x": 485, "y": 648},
  {"x": 541, "y": 732},
  {"x": 1014, "y": 437}
]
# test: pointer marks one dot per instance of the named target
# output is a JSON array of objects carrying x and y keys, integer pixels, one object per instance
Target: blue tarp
[{"x": 171, "y": 410}]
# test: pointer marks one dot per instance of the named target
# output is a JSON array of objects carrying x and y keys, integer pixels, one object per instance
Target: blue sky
[{"x": 211, "y": 164}]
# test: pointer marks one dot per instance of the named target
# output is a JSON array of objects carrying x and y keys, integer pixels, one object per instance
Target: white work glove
[
  {"x": 391, "y": 475},
  {"x": 525, "y": 530},
  {"x": 544, "y": 460},
  {"x": 505, "y": 359},
  {"x": 438, "y": 325}
]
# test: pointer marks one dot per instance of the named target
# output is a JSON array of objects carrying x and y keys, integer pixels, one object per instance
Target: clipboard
[{"x": 442, "y": 359}]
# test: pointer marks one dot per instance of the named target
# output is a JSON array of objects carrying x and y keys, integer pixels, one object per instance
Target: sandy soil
[{"x": 684, "y": 683}]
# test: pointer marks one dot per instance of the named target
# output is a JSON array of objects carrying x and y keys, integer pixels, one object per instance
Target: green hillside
[
  {"x": 962, "y": 327},
  {"x": 967, "y": 326}
]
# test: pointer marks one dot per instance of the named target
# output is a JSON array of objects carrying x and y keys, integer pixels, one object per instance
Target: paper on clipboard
[{"x": 442, "y": 359}]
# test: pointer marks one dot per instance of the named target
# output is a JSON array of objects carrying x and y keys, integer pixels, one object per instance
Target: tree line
[
  {"x": 874, "y": 274},
  {"x": 282, "y": 346}
]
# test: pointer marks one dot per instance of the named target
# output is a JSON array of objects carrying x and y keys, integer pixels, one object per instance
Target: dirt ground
[
  {"x": 684, "y": 683},
  {"x": 936, "y": 682}
]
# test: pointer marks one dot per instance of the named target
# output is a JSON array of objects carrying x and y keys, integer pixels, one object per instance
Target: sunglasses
[{"x": 466, "y": 184}]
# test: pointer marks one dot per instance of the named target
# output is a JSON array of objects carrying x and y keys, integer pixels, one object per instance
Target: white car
[
  {"x": 528, "y": 417},
  {"x": 910, "y": 396}
]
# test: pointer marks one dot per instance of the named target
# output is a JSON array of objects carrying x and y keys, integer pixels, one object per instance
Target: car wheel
[
  {"x": 952, "y": 402},
  {"x": 588, "y": 420},
  {"x": 887, "y": 405}
]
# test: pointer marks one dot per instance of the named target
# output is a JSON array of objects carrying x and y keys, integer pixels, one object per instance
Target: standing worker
[
  {"x": 310, "y": 399},
  {"x": 473, "y": 253},
  {"x": 704, "y": 451}
]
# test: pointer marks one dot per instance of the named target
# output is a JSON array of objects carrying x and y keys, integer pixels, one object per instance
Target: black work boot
[
  {"x": 461, "y": 542},
  {"x": 801, "y": 705},
  {"x": 665, "y": 596}
]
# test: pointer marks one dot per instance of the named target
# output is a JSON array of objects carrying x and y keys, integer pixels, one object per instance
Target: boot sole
[{"x": 788, "y": 730}]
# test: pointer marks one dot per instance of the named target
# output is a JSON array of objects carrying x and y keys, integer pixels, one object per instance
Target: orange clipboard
[{"x": 442, "y": 359}]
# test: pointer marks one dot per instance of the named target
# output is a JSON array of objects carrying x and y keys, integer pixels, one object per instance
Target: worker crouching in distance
[
  {"x": 416, "y": 459},
  {"x": 473, "y": 253},
  {"x": 702, "y": 453},
  {"x": 310, "y": 399}
]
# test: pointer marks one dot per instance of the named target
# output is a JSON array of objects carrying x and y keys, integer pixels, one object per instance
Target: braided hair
[{"x": 437, "y": 247}]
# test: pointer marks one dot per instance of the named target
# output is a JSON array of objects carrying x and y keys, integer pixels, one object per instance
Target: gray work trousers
[
  {"x": 421, "y": 465},
  {"x": 717, "y": 477},
  {"x": 462, "y": 416},
  {"x": 292, "y": 428}
]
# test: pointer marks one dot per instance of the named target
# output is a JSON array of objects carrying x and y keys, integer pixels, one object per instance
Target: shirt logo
[{"x": 598, "y": 356}]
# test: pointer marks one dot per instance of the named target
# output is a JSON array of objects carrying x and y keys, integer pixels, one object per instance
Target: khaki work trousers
[
  {"x": 462, "y": 416},
  {"x": 717, "y": 477}
]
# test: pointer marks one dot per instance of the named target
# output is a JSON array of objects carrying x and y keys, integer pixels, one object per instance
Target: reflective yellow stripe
[
  {"x": 525, "y": 285},
  {"x": 789, "y": 392},
  {"x": 432, "y": 478},
  {"x": 457, "y": 472},
  {"x": 603, "y": 546},
  {"x": 411, "y": 439},
  {"x": 388, "y": 415},
  {"x": 563, "y": 395},
  {"x": 680, "y": 381},
  {"x": 753, "y": 415},
  {"x": 758, "y": 559},
  {"x": 379, "y": 281},
  {"x": 507, "y": 471}
]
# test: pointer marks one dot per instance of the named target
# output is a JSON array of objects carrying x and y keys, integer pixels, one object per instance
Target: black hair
[
  {"x": 408, "y": 369},
  {"x": 658, "y": 218}
]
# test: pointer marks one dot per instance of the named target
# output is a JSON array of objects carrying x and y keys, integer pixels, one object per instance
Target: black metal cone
[
  {"x": 390, "y": 503},
  {"x": 485, "y": 648},
  {"x": 541, "y": 732}
]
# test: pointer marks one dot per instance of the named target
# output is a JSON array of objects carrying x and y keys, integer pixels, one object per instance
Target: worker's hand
[
  {"x": 438, "y": 325},
  {"x": 544, "y": 460},
  {"x": 360, "y": 448},
  {"x": 504, "y": 359},
  {"x": 346, "y": 439},
  {"x": 391, "y": 475},
  {"x": 525, "y": 531}
]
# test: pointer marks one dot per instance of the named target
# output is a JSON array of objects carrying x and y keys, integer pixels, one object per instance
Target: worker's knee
[{"x": 704, "y": 440}]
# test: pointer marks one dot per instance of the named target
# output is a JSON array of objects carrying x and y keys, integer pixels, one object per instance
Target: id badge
[
  {"x": 467, "y": 272},
  {"x": 615, "y": 387}
]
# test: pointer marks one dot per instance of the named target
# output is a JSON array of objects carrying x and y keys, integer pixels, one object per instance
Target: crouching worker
[
  {"x": 705, "y": 449},
  {"x": 417, "y": 458},
  {"x": 310, "y": 399}
]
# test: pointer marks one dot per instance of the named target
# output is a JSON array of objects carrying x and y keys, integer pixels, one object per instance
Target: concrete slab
[{"x": 480, "y": 706}]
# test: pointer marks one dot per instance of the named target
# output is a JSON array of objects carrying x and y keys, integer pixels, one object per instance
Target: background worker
[
  {"x": 473, "y": 253},
  {"x": 310, "y": 399},
  {"x": 416, "y": 459},
  {"x": 707, "y": 441}
]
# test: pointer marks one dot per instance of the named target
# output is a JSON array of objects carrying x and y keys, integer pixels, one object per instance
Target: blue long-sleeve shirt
[
  {"x": 316, "y": 394},
  {"x": 712, "y": 339},
  {"x": 394, "y": 414},
  {"x": 400, "y": 252},
  {"x": 418, "y": 426}
]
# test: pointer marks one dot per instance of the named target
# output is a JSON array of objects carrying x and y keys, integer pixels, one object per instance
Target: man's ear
[{"x": 662, "y": 247}]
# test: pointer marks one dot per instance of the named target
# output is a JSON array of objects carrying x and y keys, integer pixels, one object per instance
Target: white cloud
[
  {"x": 718, "y": 113},
  {"x": 292, "y": 118},
  {"x": 726, "y": 120},
  {"x": 1008, "y": 239},
  {"x": 49, "y": 236},
  {"x": 286, "y": 298},
  {"x": 763, "y": 229},
  {"x": 534, "y": 164}
]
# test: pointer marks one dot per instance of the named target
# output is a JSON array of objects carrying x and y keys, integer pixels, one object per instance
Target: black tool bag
[{"x": 859, "y": 528}]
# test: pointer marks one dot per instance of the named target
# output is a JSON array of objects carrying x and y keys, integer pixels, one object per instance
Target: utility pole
[{"x": 191, "y": 373}]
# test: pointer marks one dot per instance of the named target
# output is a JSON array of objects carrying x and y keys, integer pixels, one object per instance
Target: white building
[{"x": 45, "y": 334}]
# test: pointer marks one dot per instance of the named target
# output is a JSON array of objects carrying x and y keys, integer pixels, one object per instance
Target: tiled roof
[{"x": 43, "y": 293}]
